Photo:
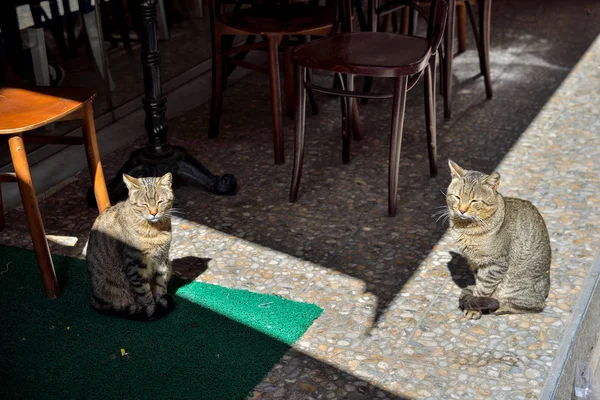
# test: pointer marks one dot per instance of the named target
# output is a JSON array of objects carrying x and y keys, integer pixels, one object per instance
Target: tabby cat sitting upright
[
  {"x": 505, "y": 241},
  {"x": 128, "y": 252}
]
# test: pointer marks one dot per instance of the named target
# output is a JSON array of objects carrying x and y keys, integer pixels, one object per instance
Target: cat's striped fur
[
  {"x": 505, "y": 241},
  {"x": 128, "y": 252}
]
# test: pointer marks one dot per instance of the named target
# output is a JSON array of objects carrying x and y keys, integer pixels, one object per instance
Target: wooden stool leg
[
  {"x": 400, "y": 89},
  {"x": 274, "y": 41},
  {"x": 34, "y": 219},
  {"x": 93, "y": 157}
]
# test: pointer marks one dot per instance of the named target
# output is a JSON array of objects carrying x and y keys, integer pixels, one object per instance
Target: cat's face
[
  {"x": 150, "y": 198},
  {"x": 472, "y": 195}
]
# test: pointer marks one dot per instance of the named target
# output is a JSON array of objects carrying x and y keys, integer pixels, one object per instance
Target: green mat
[{"x": 217, "y": 344}]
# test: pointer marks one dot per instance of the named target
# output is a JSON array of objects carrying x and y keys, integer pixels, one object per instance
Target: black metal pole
[
  {"x": 159, "y": 157},
  {"x": 155, "y": 104}
]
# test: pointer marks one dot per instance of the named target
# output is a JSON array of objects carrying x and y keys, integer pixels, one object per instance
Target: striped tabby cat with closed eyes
[
  {"x": 505, "y": 241},
  {"x": 128, "y": 252}
]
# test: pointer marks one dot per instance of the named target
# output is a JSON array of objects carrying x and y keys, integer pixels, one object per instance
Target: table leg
[{"x": 159, "y": 157}]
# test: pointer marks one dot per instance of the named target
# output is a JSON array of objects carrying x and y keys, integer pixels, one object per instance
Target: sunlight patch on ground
[
  {"x": 467, "y": 64},
  {"x": 68, "y": 241}
]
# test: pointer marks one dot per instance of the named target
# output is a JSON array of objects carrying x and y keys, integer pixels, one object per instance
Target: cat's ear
[
  {"x": 166, "y": 180},
  {"x": 493, "y": 180},
  {"x": 455, "y": 170},
  {"x": 131, "y": 182}
]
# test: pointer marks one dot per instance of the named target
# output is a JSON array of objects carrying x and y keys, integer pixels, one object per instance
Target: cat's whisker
[
  {"x": 443, "y": 216},
  {"x": 482, "y": 222},
  {"x": 446, "y": 219},
  {"x": 176, "y": 213},
  {"x": 439, "y": 212},
  {"x": 443, "y": 219}
]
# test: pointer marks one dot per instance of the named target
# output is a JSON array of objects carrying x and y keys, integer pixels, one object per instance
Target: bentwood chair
[
  {"x": 457, "y": 15},
  {"x": 275, "y": 21},
  {"x": 24, "y": 110},
  {"x": 482, "y": 31},
  {"x": 376, "y": 54}
]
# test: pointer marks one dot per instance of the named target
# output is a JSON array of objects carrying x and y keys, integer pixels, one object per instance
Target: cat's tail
[
  {"x": 468, "y": 301},
  {"x": 150, "y": 313}
]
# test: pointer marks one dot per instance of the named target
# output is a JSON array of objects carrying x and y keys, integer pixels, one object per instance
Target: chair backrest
[
  {"x": 436, "y": 18},
  {"x": 218, "y": 5}
]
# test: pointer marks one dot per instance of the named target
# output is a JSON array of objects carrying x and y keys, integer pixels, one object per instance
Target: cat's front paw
[
  {"x": 165, "y": 302},
  {"x": 472, "y": 314}
]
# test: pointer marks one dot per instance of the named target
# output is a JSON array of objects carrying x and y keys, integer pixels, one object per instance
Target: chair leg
[
  {"x": 216, "y": 104},
  {"x": 368, "y": 83},
  {"x": 441, "y": 63},
  {"x": 395, "y": 24},
  {"x": 353, "y": 111},
  {"x": 346, "y": 125},
  {"x": 39, "y": 57},
  {"x": 360, "y": 14},
  {"x": 356, "y": 131},
  {"x": 372, "y": 5},
  {"x": 405, "y": 26},
  {"x": 119, "y": 13},
  {"x": 288, "y": 80},
  {"x": 430, "y": 115},
  {"x": 482, "y": 40},
  {"x": 274, "y": 79},
  {"x": 227, "y": 44},
  {"x": 300, "y": 116},
  {"x": 413, "y": 22},
  {"x": 162, "y": 18},
  {"x": 461, "y": 26},
  {"x": 485, "y": 16},
  {"x": 93, "y": 157},
  {"x": 1, "y": 211},
  {"x": 400, "y": 88},
  {"x": 448, "y": 46},
  {"x": 92, "y": 30},
  {"x": 314, "y": 106},
  {"x": 34, "y": 218}
]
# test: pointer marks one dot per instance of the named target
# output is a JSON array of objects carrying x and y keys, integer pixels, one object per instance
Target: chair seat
[
  {"x": 285, "y": 20},
  {"x": 23, "y": 110},
  {"x": 366, "y": 53}
]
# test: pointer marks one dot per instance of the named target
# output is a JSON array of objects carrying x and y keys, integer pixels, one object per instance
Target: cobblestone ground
[{"x": 389, "y": 286}]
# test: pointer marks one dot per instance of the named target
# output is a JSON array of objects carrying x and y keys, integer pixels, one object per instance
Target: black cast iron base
[{"x": 185, "y": 169}]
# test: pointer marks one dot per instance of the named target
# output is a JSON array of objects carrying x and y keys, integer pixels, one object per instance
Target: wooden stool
[{"x": 24, "y": 110}]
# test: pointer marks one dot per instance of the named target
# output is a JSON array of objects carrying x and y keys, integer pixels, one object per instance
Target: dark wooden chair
[
  {"x": 274, "y": 21},
  {"x": 24, "y": 110},
  {"x": 457, "y": 12},
  {"x": 374, "y": 54},
  {"x": 482, "y": 31}
]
